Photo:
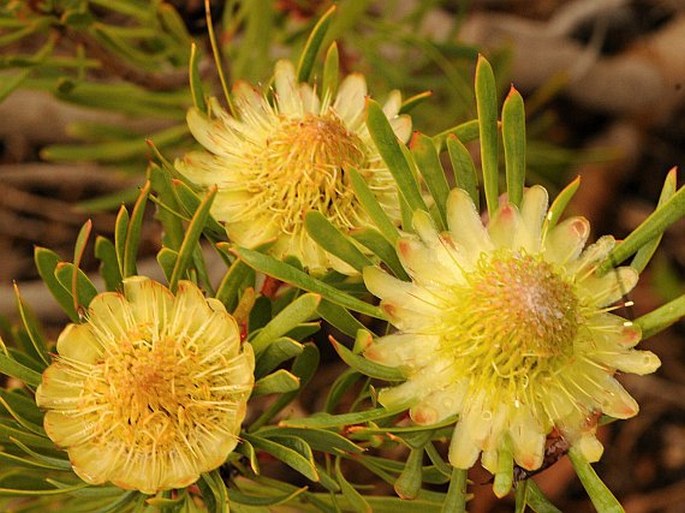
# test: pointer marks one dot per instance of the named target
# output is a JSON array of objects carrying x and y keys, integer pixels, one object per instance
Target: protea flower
[
  {"x": 509, "y": 326},
  {"x": 277, "y": 161},
  {"x": 151, "y": 390}
]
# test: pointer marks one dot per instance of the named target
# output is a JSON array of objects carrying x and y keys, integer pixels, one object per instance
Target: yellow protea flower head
[
  {"x": 150, "y": 391},
  {"x": 509, "y": 326},
  {"x": 278, "y": 160}
]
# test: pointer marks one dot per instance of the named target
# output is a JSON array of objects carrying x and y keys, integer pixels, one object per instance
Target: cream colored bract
[
  {"x": 509, "y": 326},
  {"x": 151, "y": 390},
  {"x": 276, "y": 162}
]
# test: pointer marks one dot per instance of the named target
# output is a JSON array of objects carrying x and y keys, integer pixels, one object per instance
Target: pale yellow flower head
[
  {"x": 509, "y": 326},
  {"x": 151, "y": 390},
  {"x": 279, "y": 160}
]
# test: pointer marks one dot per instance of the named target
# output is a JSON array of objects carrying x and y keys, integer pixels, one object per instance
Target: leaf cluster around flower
[{"x": 174, "y": 398}]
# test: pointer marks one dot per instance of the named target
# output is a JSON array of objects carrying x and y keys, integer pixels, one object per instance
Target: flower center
[
  {"x": 152, "y": 392},
  {"x": 303, "y": 168},
  {"x": 515, "y": 314}
]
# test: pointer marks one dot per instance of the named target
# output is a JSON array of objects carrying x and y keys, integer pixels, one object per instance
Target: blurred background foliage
[{"x": 84, "y": 84}]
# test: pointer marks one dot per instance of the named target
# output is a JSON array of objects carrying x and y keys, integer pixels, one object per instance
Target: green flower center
[
  {"x": 515, "y": 315},
  {"x": 303, "y": 168}
]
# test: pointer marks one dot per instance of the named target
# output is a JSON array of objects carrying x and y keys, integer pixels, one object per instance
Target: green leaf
[
  {"x": 277, "y": 352},
  {"x": 120, "y": 230},
  {"x": 428, "y": 162},
  {"x": 133, "y": 232},
  {"x": 486, "y": 105},
  {"x": 559, "y": 205},
  {"x": 32, "y": 328},
  {"x": 191, "y": 239},
  {"x": 311, "y": 48},
  {"x": 339, "y": 318},
  {"x": 389, "y": 148},
  {"x": 318, "y": 439},
  {"x": 602, "y": 499},
  {"x": 216, "y": 487},
  {"x": 295, "y": 313},
  {"x": 296, "y": 454},
  {"x": 514, "y": 139},
  {"x": 330, "y": 238},
  {"x": 168, "y": 207},
  {"x": 304, "y": 366},
  {"x": 11, "y": 367},
  {"x": 238, "y": 275},
  {"x": 191, "y": 203},
  {"x": 331, "y": 72},
  {"x": 465, "y": 132},
  {"x": 109, "y": 268},
  {"x": 354, "y": 498},
  {"x": 365, "y": 366},
  {"x": 195, "y": 81},
  {"x": 371, "y": 206},
  {"x": 645, "y": 253},
  {"x": 46, "y": 262},
  {"x": 537, "y": 500},
  {"x": 325, "y": 420},
  {"x": 273, "y": 267},
  {"x": 409, "y": 481},
  {"x": 279, "y": 382},
  {"x": 8, "y": 492},
  {"x": 247, "y": 449},
  {"x": 650, "y": 228},
  {"x": 465, "y": 175},
  {"x": 455, "y": 500},
  {"x": 166, "y": 258},
  {"x": 238, "y": 497},
  {"x": 85, "y": 290},
  {"x": 661, "y": 318},
  {"x": 413, "y": 101}
]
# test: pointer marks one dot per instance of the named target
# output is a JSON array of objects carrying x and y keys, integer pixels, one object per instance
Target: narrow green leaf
[
  {"x": 465, "y": 132},
  {"x": 645, "y": 253},
  {"x": 279, "y": 382},
  {"x": 559, "y": 205},
  {"x": 486, "y": 105},
  {"x": 304, "y": 366},
  {"x": 428, "y": 162},
  {"x": 331, "y": 72},
  {"x": 339, "y": 318},
  {"x": 514, "y": 140},
  {"x": 13, "y": 368},
  {"x": 120, "y": 230},
  {"x": 465, "y": 175},
  {"x": 661, "y": 318},
  {"x": 339, "y": 388},
  {"x": 311, "y": 48},
  {"x": 109, "y": 268},
  {"x": 22, "y": 404},
  {"x": 365, "y": 366},
  {"x": 601, "y": 497},
  {"x": 59, "y": 463},
  {"x": 318, "y": 439},
  {"x": 262, "y": 500},
  {"x": 247, "y": 449},
  {"x": 166, "y": 258},
  {"x": 85, "y": 290},
  {"x": 190, "y": 203},
  {"x": 413, "y": 101},
  {"x": 168, "y": 211},
  {"x": 291, "y": 457},
  {"x": 46, "y": 262},
  {"x": 218, "y": 491},
  {"x": 296, "y": 312},
  {"x": 444, "y": 468},
  {"x": 32, "y": 328},
  {"x": 379, "y": 245},
  {"x": 191, "y": 239},
  {"x": 372, "y": 207},
  {"x": 409, "y": 481},
  {"x": 133, "y": 232},
  {"x": 278, "y": 351},
  {"x": 174, "y": 25},
  {"x": 325, "y": 420},
  {"x": 13, "y": 492},
  {"x": 537, "y": 500},
  {"x": 651, "y": 227},
  {"x": 10, "y": 84},
  {"x": 273, "y": 267},
  {"x": 389, "y": 148},
  {"x": 238, "y": 276},
  {"x": 218, "y": 64},
  {"x": 195, "y": 81},
  {"x": 520, "y": 498},
  {"x": 331, "y": 239},
  {"x": 455, "y": 500},
  {"x": 354, "y": 498}
]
